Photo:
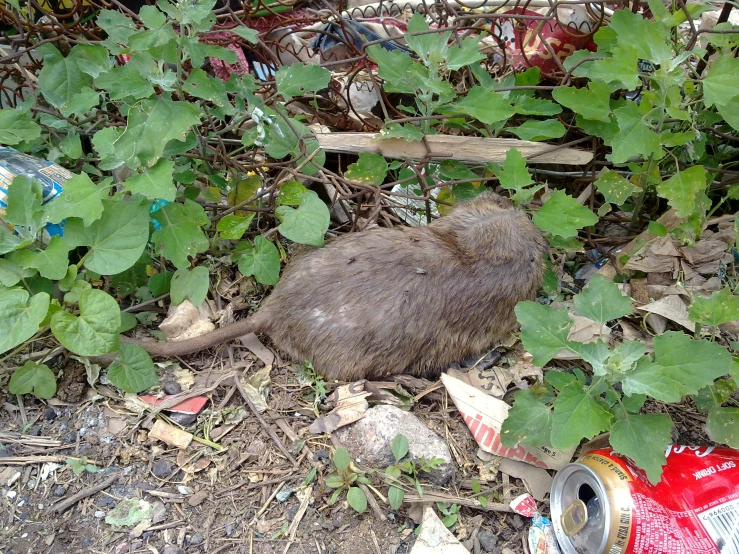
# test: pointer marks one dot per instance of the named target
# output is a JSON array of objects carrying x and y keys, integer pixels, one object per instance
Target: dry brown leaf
[{"x": 671, "y": 307}]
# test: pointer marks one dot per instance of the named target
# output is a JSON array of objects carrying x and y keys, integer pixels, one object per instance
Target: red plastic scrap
[{"x": 189, "y": 406}]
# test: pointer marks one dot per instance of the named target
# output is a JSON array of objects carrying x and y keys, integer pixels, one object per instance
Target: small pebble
[
  {"x": 105, "y": 501},
  {"x": 321, "y": 455},
  {"x": 487, "y": 540},
  {"x": 99, "y": 514},
  {"x": 161, "y": 468},
  {"x": 172, "y": 388},
  {"x": 182, "y": 489},
  {"x": 50, "y": 414},
  {"x": 172, "y": 549},
  {"x": 196, "y": 539},
  {"x": 291, "y": 512},
  {"x": 12, "y": 494},
  {"x": 59, "y": 490},
  {"x": 517, "y": 521},
  {"x": 229, "y": 529}
]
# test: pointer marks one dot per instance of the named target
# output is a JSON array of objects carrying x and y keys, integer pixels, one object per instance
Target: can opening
[{"x": 586, "y": 494}]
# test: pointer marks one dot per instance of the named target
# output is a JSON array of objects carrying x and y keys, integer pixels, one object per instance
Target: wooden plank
[{"x": 476, "y": 150}]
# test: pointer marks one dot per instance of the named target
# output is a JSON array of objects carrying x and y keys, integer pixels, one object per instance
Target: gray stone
[
  {"x": 196, "y": 539},
  {"x": 161, "y": 468},
  {"x": 487, "y": 540},
  {"x": 172, "y": 549},
  {"x": 369, "y": 439}
]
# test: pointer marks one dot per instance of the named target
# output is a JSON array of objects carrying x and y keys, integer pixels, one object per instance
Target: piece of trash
[
  {"x": 351, "y": 405},
  {"x": 170, "y": 434},
  {"x": 493, "y": 380},
  {"x": 129, "y": 512},
  {"x": 484, "y": 415},
  {"x": 185, "y": 321},
  {"x": 435, "y": 538},
  {"x": 538, "y": 482},
  {"x": 190, "y": 406},
  {"x": 603, "y": 502},
  {"x": 541, "y": 536}
]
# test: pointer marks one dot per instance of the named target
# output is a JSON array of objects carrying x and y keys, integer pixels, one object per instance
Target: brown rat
[{"x": 402, "y": 300}]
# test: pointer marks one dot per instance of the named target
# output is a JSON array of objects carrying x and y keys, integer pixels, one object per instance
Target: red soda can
[{"x": 604, "y": 504}]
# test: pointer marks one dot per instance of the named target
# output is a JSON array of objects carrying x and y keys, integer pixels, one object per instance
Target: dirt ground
[{"x": 242, "y": 498}]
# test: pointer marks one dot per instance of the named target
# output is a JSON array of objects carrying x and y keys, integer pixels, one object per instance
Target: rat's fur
[{"x": 403, "y": 300}]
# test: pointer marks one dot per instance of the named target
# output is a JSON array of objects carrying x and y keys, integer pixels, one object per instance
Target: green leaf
[
  {"x": 9, "y": 241},
  {"x": 261, "y": 260},
  {"x": 151, "y": 125},
  {"x": 306, "y": 225},
  {"x": 730, "y": 112},
  {"x": 681, "y": 366},
  {"x": 291, "y": 193},
  {"x": 429, "y": 46},
  {"x": 721, "y": 86},
  {"x": 60, "y": 79},
  {"x": 117, "y": 26},
  {"x": 180, "y": 235},
  {"x": 622, "y": 68},
  {"x": 485, "y": 105},
  {"x": 200, "y": 85},
  {"x": 154, "y": 183},
  {"x": 408, "y": 133},
  {"x": 395, "y": 497},
  {"x": 644, "y": 439},
  {"x": 356, "y": 498},
  {"x": 297, "y": 79},
  {"x": 128, "y": 322},
  {"x": 51, "y": 262},
  {"x": 681, "y": 189},
  {"x": 19, "y": 319},
  {"x": 635, "y": 138},
  {"x": 95, "y": 330},
  {"x": 576, "y": 416},
  {"x": 16, "y": 127},
  {"x": 397, "y": 68},
  {"x": 81, "y": 198},
  {"x": 249, "y": 35},
  {"x": 544, "y": 330},
  {"x": 614, "y": 188},
  {"x": 125, "y": 82},
  {"x": 714, "y": 395},
  {"x": 133, "y": 370},
  {"x": 536, "y": 130},
  {"x": 563, "y": 216},
  {"x": 369, "y": 169},
  {"x": 722, "y": 426},
  {"x": 33, "y": 377},
  {"x": 513, "y": 174},
  {"x": 190, "y": 284},
  {"x": 116, "y": 240},
  {"x": 526, "y": 104},
  {"x": 81, "y": 102},
  {"x": 529, "y": 421},
  {"x": 93, "y": 59},
  {"x": 467, "y": 53},
  {"x": 602, "y": 301},
  {"x": 342, "y": 459},
  {"x": 593, "y": 103},
  {"x": 647, "y": 39},
  {"x": 233, "y": 227},
  {"x": 453, "y": 170},
  {"x": 399, "y": 447},
  {"x": 24, "y": 200},
  {"x": 159, "y": 284},
  {"x": 721, "y": 307},
  {"x": 71, "y": 145}
]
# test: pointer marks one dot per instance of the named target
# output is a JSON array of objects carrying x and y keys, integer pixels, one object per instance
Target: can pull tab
[{"x": 574, "y": 518}]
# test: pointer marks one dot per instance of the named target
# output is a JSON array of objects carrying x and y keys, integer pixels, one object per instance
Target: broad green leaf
[
  {"x": 51, "y": 262},
  {"x": 621, "y": 69},
  {"x": 93, "y": 59},
  {"x": 155, "y": 182},
  {"x": 132, "y": 370},
  {"x": 233, "y": 227},
  {"x": 128, "y": 322},
  {"x": 468, "y": 52},
  {"x": 81, "y": 198},
  {"x": 151, "y": 125},
  {"x": 117, "y": 26},
  {"x": 356, "y": 499},
  {"x": 644, "y": 439},
  {"x": 24, "y": 200},
  {"x": 594, "y": 353},
  {"x": 61, "y": 78},
  {"x": 297, "y": 79},
  {"x": 429, "y": 46},
  {"x": 681, "y": 189},
  {"x": 722, "y": 426},
  {"x": 730, "y": 112},
  {"x": 485, "y": 105},
  {"x": 160, "y": 283},
  {"x": 369, "y": 169},
  {"x": 9, "y": 241},
  {"x": 95, "y": 330},
  {"x": 453, "y": 170},
  {"x": 200, "y": 85},
  {"x": 714, "y": 395},
  {"x": 181, "y": 235},
  {"x": 33, "y": 378},
  {"x": 248, "y": 34},
  {"x": 291, "y": 193},
  {"x": 190, "y": 284},
  {"x": 75, "y": 291},
  {"x": 16, "y": 127},
  {"x": 614, "y": 188},
  {"x": 395, "y": 497},
  {"x": 606, "y": 131},
  {"x": 593, "y": 103},
  {"x": 71, "y": 145},
  {"x": 681, "y": 366},
  {"x": 526, "y": 104},
  {"x": 528, "y": 421},
  {"x": 261, "y": 260},
  {"x": 513, "y": 174},
  {"x": 721, "y": 85},
  {"x": 81, "y": 102},
  {"x": 576, "y": 416},
  {"x": 116, "y": 240},
  {"x": 397, "y": 68},
  {"x": 399, "y": 447},
  {"x": 409, "y": 133},
  {"x": 342, "y": 459},
  {"x": 563, "y": 216},
  {"x": 19, "y": 318},
  {"x": 602, "y": 301},
  {"x": 536, "y": 130},
  {"x": 721, "y": 307},
  {"x": 647, "y": 39},
  {"x": 125, "y": 82},
  {"x": 306, "y": 225},
  {"x": 544, "y": 330},
  {"x": 635, "y": 138},
  {"x": 282, "y": 141}
]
